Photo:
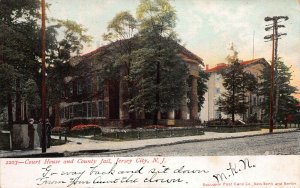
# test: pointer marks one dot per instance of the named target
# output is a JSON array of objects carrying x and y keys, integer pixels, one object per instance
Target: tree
[
  {"x": 121, "y": 31},
  {"x": 202, "y": 87},
  {"x": 31, "y": 94},
  {"x": 160, "y": 75},
  {"x": 18, "y": 48},
  {"x": 286, "y": 102},
  {"x": 7, "y": 77},
  {"x": 237, "y": 83},
  {"x": 59, "y": 52}
]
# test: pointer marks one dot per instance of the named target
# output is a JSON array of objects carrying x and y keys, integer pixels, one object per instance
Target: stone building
[
  {"x": 210, "y": 109},
  {"x": 88, "y": 98}
]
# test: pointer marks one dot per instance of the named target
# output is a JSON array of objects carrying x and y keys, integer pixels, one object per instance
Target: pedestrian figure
[
  {"x": 31, "y": 133},
  {"x": 48, "y": 133}
]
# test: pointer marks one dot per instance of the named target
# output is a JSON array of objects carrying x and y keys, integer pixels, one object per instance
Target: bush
[
  {"x": 223, "y": 122},
  {"x": 58, "y": 130},
  {"x": 88, "y": 129}
]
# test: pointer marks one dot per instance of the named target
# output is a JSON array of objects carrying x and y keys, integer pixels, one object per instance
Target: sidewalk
[{"x": 76, "y": 145}]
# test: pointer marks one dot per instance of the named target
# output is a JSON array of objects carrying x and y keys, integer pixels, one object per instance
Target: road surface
[{"x": 275, "y": 144}]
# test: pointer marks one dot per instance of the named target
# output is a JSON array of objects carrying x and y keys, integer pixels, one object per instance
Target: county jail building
[
  {"x": 89, "y": 98},
  {"x": 215, "y": 89}
]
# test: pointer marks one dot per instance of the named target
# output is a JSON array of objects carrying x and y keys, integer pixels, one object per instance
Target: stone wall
[
  {"x": 5, "y": 140},
  {"x": 20, "y": 139}
]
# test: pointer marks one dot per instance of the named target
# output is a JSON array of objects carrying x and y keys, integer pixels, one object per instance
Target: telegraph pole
[
  {"x": 274, "y": 38},
  {"x": 43, "y": 78}
]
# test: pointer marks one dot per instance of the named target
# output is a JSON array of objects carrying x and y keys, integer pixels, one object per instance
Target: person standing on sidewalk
[
  {"x": 31, "y": 133},
  {"x": 48, "y": 133}
]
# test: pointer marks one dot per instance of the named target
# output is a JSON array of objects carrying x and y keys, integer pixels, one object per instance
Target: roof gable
[{"x": 221, "y": 66}]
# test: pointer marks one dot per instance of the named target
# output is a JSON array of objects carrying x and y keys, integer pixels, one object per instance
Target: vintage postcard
[{"x": 150, "y": 93}]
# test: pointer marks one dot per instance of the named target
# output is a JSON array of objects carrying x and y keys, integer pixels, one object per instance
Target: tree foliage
[
  {"x": 237, "y": 83},
  {"x": 202, "y": 87},
  {"x": 147, "y": 48},
  {"x": 161, "y": 73},
  {"x": 286, "y": 103},
  {"x": 65, "y": 39},
  {"x": 32, "y": 96},
  {"x": 20, "y": 46}
]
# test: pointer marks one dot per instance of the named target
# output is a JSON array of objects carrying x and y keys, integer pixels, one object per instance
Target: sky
[{"x": 206, "y": 27}]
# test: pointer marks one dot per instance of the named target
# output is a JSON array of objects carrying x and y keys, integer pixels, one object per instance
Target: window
[
  {"x": 100, "y": 109},
  {"x": 84, "y": 110},
  {"x": 70, "y": 89},
  {"x": 89, "y": 109},
  {"x": 71, "y": 111},
  {"x": 89, "y": 88},
  {"x": 67, "y": 115},
  {"x": 62, "y": 113},
  {"x": 94, "y": 109},
  {"x": 79, "y": 87},
  {"x": 99, "y": 83},
  {"x": 78, "y": 110},
  {"x": 254, "y": 101}
]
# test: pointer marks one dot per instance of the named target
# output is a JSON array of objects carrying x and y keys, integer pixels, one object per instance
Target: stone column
[
  {"x": 123, "y": 95},
  {"x": 183, "y": 107},
  {"x": 171, "y": 114},
  {"x": 194, "y": 99}
]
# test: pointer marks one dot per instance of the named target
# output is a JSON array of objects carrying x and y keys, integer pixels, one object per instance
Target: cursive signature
[{"x": 233, "y": 169}]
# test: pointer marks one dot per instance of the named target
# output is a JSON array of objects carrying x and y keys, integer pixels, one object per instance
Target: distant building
[
  {"x": 88, "y": 98},
  {"x": 210, "y": 109}
]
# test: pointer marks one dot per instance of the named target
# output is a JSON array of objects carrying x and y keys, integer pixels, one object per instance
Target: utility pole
[
  {"x": 274, "y": 38},
  {"x": 43, "y": 72}
]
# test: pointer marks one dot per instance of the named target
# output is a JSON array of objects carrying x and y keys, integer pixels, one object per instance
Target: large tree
[
  {"x": 17, "y": 47},
  {"x": 120, "y": 33},
  {"x": 65, "y": 39},
  {"x": 286, "y": 102},
  {"x": 237, "y": 83},
  {"x": 160, "y": 75},
  {"x": 20, "y": 46},
  {"x": 202, "y": 87}
]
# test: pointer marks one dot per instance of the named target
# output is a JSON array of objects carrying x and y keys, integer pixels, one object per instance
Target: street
[{"x": 276, "y": 144}]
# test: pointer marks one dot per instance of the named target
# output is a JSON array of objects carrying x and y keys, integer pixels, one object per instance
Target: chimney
[{"x": 206, "y": 66}]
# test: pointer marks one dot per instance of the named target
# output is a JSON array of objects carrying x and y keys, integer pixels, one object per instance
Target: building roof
[
  {"x": 217, "y": 68},
  {"x": 221, "y": 66},
  {"x": 188, "y": 54}
]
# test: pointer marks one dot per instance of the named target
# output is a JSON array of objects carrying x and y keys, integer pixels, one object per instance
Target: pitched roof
[
  {"x": 221, "y": 66},
  {"x": 184, "y": 51},
  {"x": 217, "y": 68}
]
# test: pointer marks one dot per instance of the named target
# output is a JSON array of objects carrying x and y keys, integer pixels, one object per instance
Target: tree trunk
[
  {"x": 25, "y": 111},
  {"x": 157, "y": 96},
  {"x": 55, "y": 119},
  {"x": 18, "y": 101},
  {"x": 9, "y": 110},
  {"x": 123, "y": 94}
]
